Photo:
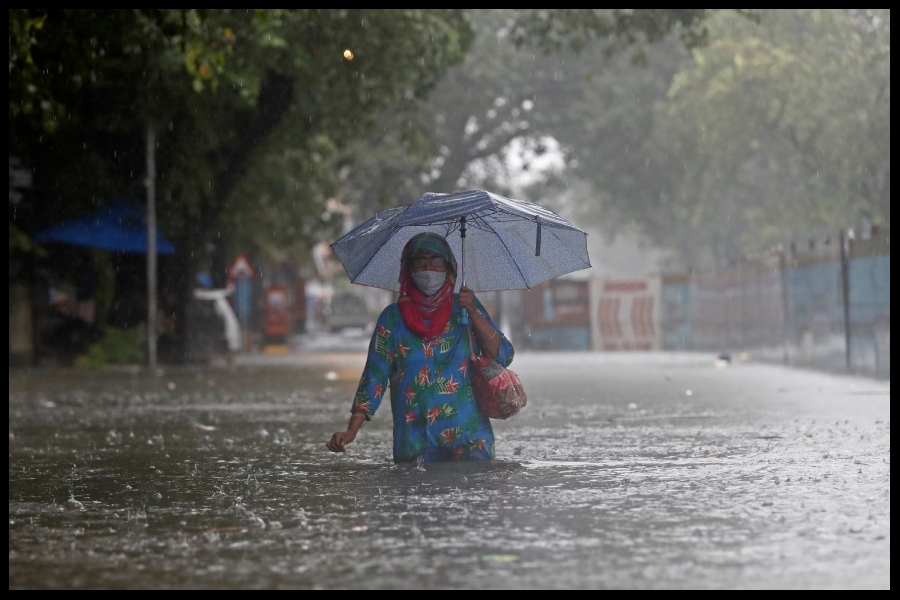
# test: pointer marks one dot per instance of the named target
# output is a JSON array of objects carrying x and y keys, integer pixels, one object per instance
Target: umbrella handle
[{"x": 464, "y": 312}]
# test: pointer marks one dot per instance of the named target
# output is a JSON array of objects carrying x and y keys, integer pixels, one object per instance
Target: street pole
[
  {"x": 786, "y": 320},
  {"x": 845, "y": 295},
  {"x": 151, "y": 248}
]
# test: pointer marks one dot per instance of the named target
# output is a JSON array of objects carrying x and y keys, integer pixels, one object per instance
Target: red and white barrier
[{"x": 625, "y": 314}]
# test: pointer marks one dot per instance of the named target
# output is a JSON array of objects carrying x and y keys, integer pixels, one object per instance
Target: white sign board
[{"x": 625, "y": 314}]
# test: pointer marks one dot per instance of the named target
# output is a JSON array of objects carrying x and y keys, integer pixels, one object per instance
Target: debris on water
[
  {"x": 501, "y": 558},
  {"x": 211, "y": 536},
  {"x": 518, "y": 450},
  {"x": 201, "y": 427},
  {"x": 256, "y": 521},
  {"x": 688, "y": 393},
  {"x": 631, "y": 406},
  {"x": 171, "y": 385},
  {"x": 73, "y": 505},
  {"x": 723, "y": 360}
]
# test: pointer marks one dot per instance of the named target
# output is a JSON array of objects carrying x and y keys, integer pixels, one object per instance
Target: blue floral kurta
[{"x": 435, "y": 416}]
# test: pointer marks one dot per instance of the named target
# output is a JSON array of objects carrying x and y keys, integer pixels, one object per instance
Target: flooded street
[{"x": 645, "y": 471}]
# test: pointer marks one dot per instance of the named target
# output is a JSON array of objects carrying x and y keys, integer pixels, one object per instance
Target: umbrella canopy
[
  {"x": 118, "y": 226},
  {"x": 509, "y": 244}
]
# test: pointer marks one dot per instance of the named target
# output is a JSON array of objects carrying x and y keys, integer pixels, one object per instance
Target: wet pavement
[{"x": 626, "y": 471}]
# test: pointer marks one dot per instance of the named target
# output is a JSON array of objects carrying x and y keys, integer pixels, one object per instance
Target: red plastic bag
[{"x": 498, "y": 392}]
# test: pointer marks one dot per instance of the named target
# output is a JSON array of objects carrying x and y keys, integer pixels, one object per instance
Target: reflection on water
[{"x": 221, "y": 480}]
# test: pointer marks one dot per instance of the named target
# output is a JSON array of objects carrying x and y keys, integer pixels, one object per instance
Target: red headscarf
[{"x": 415, "y": 306}]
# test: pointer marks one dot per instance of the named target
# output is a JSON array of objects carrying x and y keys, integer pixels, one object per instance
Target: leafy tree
[
  {"x": 616, "y": 30},
  {"x": 247, "y": 105},
  {"x": 777, "y": 129},
  {"x": 782, "y": 130},
  {"x": 526, "y": 73}
]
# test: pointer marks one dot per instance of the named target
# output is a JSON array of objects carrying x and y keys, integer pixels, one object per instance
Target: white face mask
[{"x": 429, "y": 281}]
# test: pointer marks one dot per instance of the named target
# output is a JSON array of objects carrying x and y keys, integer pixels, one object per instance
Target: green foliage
[
  {"x": 116, "y": 347},
  {"x": 250, "y": 110},
  {"x": 20, "y": 247},
  {"x": 777, "y": 129},
  {"x": 518, "y": 84},
  {"x": 616, "y": 29},
  {"x": 27, "y": 97},
  {"x": 782, "y": 129},
  {"x": 20, "y": 243}
]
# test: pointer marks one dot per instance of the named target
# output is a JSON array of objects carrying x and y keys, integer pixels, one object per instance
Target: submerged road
[{"x": 628, "y": 471}]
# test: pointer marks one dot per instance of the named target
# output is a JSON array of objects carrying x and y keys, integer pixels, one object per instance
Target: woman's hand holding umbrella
[{"x": 487, "y": 335}]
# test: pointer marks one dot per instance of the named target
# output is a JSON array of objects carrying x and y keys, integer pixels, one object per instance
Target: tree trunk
[{"x": 275, "y": 99}]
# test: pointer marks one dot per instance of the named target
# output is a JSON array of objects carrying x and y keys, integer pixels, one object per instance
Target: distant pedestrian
[{"x": 231, "y": 328}]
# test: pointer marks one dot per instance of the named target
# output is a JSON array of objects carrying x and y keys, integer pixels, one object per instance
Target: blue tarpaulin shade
[{"x": 119, "y": 227}]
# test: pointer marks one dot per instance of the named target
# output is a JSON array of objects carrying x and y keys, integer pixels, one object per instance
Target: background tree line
[{"x": 712, "y": 133}]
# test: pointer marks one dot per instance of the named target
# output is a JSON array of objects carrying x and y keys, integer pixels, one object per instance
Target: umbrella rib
[{"x": 500, "y": 237}]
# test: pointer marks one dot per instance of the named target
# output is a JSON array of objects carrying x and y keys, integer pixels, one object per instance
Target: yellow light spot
[{"x": 348, "y": 54}]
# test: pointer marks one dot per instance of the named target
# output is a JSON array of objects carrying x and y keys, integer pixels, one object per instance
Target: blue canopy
[{"x": 118, "y": 226}]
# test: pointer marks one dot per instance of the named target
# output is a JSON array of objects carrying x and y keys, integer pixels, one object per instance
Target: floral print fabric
[{"x": 434, "y": 412}]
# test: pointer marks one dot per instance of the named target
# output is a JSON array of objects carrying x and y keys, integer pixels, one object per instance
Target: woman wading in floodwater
[{"x": 420, "y": 349}]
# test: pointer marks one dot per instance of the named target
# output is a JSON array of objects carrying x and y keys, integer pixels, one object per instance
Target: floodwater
[{"x": 623, "y": 472}]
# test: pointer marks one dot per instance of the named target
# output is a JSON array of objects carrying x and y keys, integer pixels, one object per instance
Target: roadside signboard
[
  {"x": 625, "y": 314},
  {"x": 241, "y": 268}
]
